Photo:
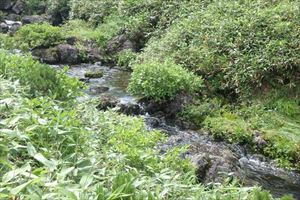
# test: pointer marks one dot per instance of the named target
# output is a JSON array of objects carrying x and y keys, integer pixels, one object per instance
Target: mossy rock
[{"x": 96, "y": 73}]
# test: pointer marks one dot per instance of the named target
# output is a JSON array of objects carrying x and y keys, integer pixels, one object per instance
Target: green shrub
[
  {"x": 229, "y": 126},
  {"x": 39, "y": 35},
  {"x": 40, "y": 78},
  {"x": 7, "y": 42},
  {"x": 162, "y": 80},
  {"x": 86, "y": 154},
  {"x": 198, "y": 111},
  {"x": 125, "y": 58},
  {"x": 235, "y": 45}
]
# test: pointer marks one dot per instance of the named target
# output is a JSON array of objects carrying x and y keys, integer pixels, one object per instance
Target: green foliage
[
  {"x": 6, "y": 41},
  {"x": 40, "y": 78},
  {"x": 164, "y": 80},
  {"x": 39, "y": 35},
  {"x": 125, "y": 58},
  {"x": 59, "y": 151},
  {"x": 229, "y": 126},
  {"x": 236, "y": 46},
  {"x": 199, "y": 110}
]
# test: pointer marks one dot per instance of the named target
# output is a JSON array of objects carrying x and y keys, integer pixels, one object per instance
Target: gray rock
[
  {"x": 14, "y": 28},
  {"x": 68, "y": 54},
  {"x": 4, "y": 28},
  {"x": 130, "y": 109},
  {"x": 6, "y": 4},
  {"x": 13, "y": 17},
  {"x": 106, "y": 102},
  {"x": 99, "y": 89},
  {"x": 32, "y": 19},
  {"x": 19, "y": 7}
]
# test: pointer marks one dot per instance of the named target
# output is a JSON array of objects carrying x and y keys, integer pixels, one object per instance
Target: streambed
[{"x": 214, "y": 160}]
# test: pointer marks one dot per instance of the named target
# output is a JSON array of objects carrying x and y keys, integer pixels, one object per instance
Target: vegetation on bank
[
  {"x": 69, "y": 150},
  {"x": 238, "y": 60}
]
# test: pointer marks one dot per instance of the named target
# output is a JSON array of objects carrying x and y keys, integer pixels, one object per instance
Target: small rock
[
  {"x": 32, "y": 19},
  {"x": 13, "y": 17},
  {"x": 4, "y": 28},
  {"x": 96, "y": 73},
  {"x": 14, "y": 28},
  {"x": 130, "y": 109},
  {"x": 99, "y": 89},
  {"x": 106, "y": 102}
]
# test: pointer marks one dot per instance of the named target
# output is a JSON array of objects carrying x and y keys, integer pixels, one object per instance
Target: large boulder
[
  {"x": 6, "y": 4},
  {"x": 68, "y": 54},
  {"x": 19, "y": 7}
]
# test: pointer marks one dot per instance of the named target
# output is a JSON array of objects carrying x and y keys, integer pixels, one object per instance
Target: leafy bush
[
  {"x": 125, "y": 58},
  {"x": 236, "y": 45},
  {"x": 39, "y": 35},
  {"x": 76, "y": 152},
  {"x": 164, "y": 80},
  {"x": 7, "y": 42},
  {"x": 40, "y": 78}
]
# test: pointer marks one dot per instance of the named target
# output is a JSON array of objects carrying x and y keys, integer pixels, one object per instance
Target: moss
[{"x": 96, "y": 73}]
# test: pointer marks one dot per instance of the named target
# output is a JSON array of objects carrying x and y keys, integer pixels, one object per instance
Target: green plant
[
  {"x": 39, "y": 35},
  {"x": 125, "y": 58},
  {"x": 40, "y": 78},
  {"x": 162, "y": 80},
  {"x": 61, "y": 151}
]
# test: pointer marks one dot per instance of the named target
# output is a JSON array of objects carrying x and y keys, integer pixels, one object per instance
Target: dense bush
[
  {"x": 236, "y": 45},
  {"x": 162, "y": 80},
  {"x": 39, "y": 35},
  {"x": 59, "y": 152},
  {"x": 40, "y": 78}
]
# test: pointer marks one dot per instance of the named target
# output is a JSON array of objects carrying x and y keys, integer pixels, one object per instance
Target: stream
[{"x": 214, "y": 160}]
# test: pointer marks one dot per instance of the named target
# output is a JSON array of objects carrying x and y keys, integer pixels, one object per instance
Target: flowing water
[{"x": 214, "y": 159}]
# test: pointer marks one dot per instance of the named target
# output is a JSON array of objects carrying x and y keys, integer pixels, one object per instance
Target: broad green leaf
[
  {"x": 86, "y": 180},
  {"x": 50, "y": 164},
  {"x": 14, "y": 173},
  {"x": 19, "y": 188}
]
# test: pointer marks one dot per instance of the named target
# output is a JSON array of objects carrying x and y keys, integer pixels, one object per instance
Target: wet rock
[
  {"x": 85, "y": 80},
  {"x": 170, "y": 108},
  {"x": 68, "y": 54},
  {"x": 19, "y": 7},
  {"x": 106, "y": 102},
  {"x": 47, "y": 55},
  {"x": 14, "y": 28},
  {"x": 94, "y": 73},
  {"x": 6, "y": 4},
  {"x": 277, "y": 180},
  {"x": 4, "y": 28},
  {"x": 130, "y": 109},
  {"x": 98, "y": 89},
  {"x": 32, "y": 19},
  {"x": 13, "y": 17}
]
